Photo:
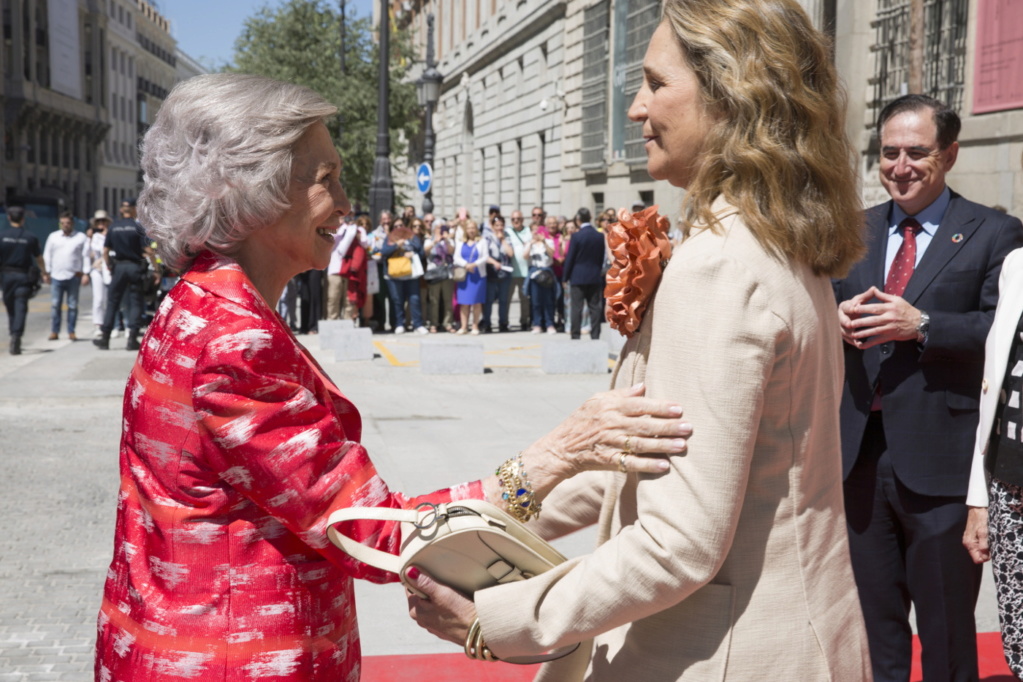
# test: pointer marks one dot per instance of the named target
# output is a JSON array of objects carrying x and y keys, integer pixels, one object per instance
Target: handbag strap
[{"x": 360, "y": 552}]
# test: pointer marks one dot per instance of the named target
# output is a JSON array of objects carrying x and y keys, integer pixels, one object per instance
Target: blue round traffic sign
[{"x": 424, "y": 177}]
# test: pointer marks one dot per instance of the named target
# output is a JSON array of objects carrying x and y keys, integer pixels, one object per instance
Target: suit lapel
[
  {"x": 877, "y": 230},
  {"x": 943, "y": 247}
]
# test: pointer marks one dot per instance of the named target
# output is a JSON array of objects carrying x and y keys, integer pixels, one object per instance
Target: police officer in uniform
[
  {"x": 18, "y": 248},
  {"x": 125, "y": 251}
]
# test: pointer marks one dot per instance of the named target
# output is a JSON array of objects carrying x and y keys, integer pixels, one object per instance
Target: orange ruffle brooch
[{"x": 640, "y": 249}]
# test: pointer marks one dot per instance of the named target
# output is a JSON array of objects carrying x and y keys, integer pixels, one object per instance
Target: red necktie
[{"x": 905, "y": 259}]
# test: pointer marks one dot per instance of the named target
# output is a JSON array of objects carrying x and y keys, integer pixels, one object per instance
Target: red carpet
[
  {"x": 458, "y": 668},
  {"x": 989, "y": 657}
]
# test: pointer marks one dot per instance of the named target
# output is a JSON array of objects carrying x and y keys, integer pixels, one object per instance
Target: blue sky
[{"x": 206, "y": 29}]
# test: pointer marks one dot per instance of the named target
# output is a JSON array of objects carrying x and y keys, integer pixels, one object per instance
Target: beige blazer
[{"x": 735, "y": 564}]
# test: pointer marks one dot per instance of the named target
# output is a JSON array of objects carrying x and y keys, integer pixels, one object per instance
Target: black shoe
[
  {"x": 504, "y": 328},
  {"x": 103, "y": 342},
  {"x": 15, "y": 345},
  {"x": 133, "y": 343}
]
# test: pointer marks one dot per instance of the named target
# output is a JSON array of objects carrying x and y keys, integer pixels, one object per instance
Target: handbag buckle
[{"x": 433, "y": 515}]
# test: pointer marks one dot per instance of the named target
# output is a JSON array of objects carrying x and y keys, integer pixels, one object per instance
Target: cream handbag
[{"x": 468, "y": 545}]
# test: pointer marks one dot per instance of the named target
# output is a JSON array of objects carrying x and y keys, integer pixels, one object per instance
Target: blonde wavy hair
[{"x": 778, "y": 151}]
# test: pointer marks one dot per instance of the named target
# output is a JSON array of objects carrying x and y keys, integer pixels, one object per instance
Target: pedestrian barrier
[
  {"x": 451, "y": 355},
  {"x": 579, "y": 356}
]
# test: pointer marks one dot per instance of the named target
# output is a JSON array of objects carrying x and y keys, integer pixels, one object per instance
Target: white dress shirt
[{"x": 65, "y": 255}]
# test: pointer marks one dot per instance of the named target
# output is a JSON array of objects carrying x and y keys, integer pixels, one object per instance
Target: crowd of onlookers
[
  {"x": 408, "y": 273},
  {"x": 427, "y": 275}
]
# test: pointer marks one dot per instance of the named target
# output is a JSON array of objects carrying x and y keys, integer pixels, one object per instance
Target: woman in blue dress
[{"x": 470, "y": 293}]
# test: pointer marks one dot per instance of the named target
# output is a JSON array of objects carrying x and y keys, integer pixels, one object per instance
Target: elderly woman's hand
[{"x": 617, "y": 430}]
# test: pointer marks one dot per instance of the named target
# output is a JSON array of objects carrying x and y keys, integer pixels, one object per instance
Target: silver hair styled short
[{"x": 217, "y": 161}]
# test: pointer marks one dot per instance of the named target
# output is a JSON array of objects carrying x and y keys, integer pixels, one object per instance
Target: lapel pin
[{"x": 957, "y": 237}]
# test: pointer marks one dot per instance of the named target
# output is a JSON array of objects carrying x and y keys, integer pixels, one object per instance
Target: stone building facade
[
  {"x": 118, "y": 166},
  {"x": 53, "y": 114},
  {"x": 82, "y": 81},
  {"x": 535, "y": 94},
  {"x": 143, "y": 68}
]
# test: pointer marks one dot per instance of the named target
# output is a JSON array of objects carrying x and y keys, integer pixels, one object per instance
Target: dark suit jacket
[
  {"x": 929, "y": 395},
  {"x": 584, "y": 263}
]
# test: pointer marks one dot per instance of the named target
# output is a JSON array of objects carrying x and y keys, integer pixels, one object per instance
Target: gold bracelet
[
  {"x": 518, "y": 491},
  {"x": 470, "y": 639},
  {"x": 475, "y": 646}
]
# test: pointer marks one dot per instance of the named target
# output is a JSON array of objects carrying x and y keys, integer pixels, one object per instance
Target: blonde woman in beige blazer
[{"x": 734, "y": 565}]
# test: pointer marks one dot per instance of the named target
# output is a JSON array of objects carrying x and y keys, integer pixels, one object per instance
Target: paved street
[
  {"x": 60, "y": 406},
  {"x": 59, "y": 428}
]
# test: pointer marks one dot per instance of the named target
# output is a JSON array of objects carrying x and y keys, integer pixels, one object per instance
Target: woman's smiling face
[
  {"x": 670, "y": 107},
  {"x": 303, "y": 237}
]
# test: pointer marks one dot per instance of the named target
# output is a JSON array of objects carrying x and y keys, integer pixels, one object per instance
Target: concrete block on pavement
[
  {"x": 328, "y": 328},
  {"x": 353, "y": 344},
  {"x": 615, "y": 341},
  {"x": 579, "y": 356},
  {"x": 451, "y": 355}
]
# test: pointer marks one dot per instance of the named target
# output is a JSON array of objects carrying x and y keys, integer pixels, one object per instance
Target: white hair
[{"x": 217, "y": 161}]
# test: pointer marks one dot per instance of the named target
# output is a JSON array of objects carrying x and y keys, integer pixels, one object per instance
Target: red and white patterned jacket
[{"x": 235, "y": 449}]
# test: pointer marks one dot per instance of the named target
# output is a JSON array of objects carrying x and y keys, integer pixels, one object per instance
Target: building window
[
  {"x": 596, "y": 26},
  {"x": 643, "y": 17},
  {"x": 8, "y": 56},
  {"x": 943, "y": 63}
]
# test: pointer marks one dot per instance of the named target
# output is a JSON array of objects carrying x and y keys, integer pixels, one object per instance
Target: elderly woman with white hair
[{"x": 236, "y": 446}]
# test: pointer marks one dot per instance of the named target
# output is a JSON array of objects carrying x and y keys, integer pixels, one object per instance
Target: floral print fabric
[{"x": 235, "y": 449}]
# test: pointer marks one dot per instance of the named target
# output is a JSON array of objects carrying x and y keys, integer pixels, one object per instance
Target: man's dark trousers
[
  {"x": 125, "y": 282},
  {"x": 593, "y": 296},
  {"x": 17, "y": 291},
  {"x": 886, "y": 519},
  {"x": 499, "y": 290}
]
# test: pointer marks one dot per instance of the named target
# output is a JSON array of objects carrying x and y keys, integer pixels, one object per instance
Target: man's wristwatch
[{"x": 923, "y": 327}]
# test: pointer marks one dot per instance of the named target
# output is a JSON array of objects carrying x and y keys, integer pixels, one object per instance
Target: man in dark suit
[
  {"x": 584, "y": 272},
  {"x": 914, "y": 315}
]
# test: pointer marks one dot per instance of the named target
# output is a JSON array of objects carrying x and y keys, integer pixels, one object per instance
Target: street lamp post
[
  {"x": 428, "y": 89},
  {"x": 381, "y": 188}
]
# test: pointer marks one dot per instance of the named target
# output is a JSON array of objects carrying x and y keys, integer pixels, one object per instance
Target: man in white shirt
[
  {"x": 65, "y": 255},
  {"x": 520, "y": 238}
]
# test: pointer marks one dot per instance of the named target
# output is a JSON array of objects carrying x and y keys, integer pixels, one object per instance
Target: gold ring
[{"x": 621, "y": 463}]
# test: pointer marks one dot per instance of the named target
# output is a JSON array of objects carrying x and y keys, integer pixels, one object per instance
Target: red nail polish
[{"x": 413, "y": 573}]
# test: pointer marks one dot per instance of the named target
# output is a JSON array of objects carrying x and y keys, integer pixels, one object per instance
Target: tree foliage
[{"x": 300, "y": 42}]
